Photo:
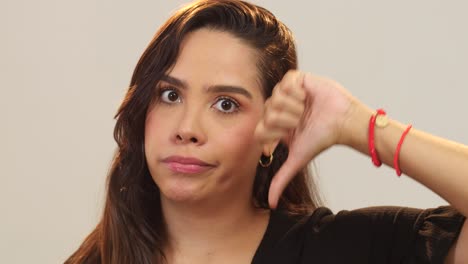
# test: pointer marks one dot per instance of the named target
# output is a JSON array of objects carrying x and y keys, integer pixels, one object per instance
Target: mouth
[{"x": 186, "y": 165}]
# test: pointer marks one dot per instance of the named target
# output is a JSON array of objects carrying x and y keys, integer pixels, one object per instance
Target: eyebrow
[{"x": 219, "y": 88}]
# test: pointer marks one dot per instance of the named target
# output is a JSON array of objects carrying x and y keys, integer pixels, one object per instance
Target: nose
[{"x": 190, "y": 130}]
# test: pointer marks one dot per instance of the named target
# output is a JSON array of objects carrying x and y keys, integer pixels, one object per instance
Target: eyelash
[
  {"x": 234, "y": 102},
  {"x": 163, "y": 89}
]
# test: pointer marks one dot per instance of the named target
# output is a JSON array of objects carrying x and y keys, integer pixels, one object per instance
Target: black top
[{"x": 383, "y": 235}]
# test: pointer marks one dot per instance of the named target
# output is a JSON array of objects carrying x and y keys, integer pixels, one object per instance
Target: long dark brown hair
[{"x": 131, "y": 229}]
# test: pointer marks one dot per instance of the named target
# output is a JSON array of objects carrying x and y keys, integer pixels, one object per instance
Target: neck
[{"x": 206, "y": 231}]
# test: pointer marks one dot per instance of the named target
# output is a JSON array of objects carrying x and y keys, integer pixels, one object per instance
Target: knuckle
[
  {"x": 291, "y": 73},
  {"x": 277, "y": 89},
  {"x": 277, "y": 103},
  {"x": 270, "y": 119}
]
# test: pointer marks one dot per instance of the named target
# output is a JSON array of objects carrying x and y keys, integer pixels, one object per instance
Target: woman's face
[{"x": 199, "y": 140}]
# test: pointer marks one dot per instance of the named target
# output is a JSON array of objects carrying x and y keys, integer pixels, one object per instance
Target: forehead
[{"x": 211, "y": 57}]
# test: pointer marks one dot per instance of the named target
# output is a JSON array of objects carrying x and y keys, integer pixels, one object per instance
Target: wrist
[{"x": 355, "y": 128}]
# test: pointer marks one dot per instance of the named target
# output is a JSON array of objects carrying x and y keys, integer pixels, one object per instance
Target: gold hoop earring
[{"x": 268, "y": 163}]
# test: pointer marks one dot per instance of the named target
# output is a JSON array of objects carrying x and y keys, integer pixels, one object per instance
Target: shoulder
[
  {"x": 373, "y": 233},
  {"x": 323, "y": 219},
  {"x": 315, "y": 237}
]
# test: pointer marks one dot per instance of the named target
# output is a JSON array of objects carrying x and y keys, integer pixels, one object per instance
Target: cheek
[
  {"x": 150, "y": 122},
  {"x": 149, "y": 126},
  {"x": 238, "y": 144},
  {"x": 155, "y": 126}
]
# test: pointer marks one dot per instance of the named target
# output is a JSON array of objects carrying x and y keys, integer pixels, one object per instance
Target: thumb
[{"x": 281, "y": 179}]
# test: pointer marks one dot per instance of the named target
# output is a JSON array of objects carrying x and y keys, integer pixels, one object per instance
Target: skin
[
  {"x": 332, "y": 116},
  {"x": 309, "y": 113},
  {"x": 201, "y": 210}
]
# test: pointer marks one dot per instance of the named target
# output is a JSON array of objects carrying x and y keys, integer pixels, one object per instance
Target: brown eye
[
  {"x": 226, "y": 105},
  {"x": 170, "y": 96}
]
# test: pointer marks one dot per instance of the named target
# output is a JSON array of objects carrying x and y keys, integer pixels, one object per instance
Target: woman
[{"x": 218, "y": 127}]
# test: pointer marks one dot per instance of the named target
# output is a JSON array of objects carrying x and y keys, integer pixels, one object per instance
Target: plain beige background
[{"x": 65, "y": 66}]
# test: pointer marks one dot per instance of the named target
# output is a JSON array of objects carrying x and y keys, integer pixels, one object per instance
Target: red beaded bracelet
[
  {"x": 396, "y": 164},
  {"x": 372, "y": 150}
]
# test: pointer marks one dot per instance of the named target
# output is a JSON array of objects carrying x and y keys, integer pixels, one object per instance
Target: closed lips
[
  {"x": 187, "y": 165},
  {"x": 186, "y": 161}
]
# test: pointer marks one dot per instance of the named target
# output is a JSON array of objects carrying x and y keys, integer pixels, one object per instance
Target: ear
[{"x": 269, "y": 148}]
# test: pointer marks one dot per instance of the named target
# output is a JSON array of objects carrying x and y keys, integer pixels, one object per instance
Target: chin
[
  {"x": 180, "y": 190},
  {"x": 179, "y": 195}
]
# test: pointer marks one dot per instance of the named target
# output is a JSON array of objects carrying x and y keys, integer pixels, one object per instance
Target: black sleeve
[{"x": 382, "y": 235}]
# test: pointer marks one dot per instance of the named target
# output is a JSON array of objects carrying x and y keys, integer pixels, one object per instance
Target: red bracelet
[
  {"x": 396, "y": 164},
  {"x": 372, "y": 150}
]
